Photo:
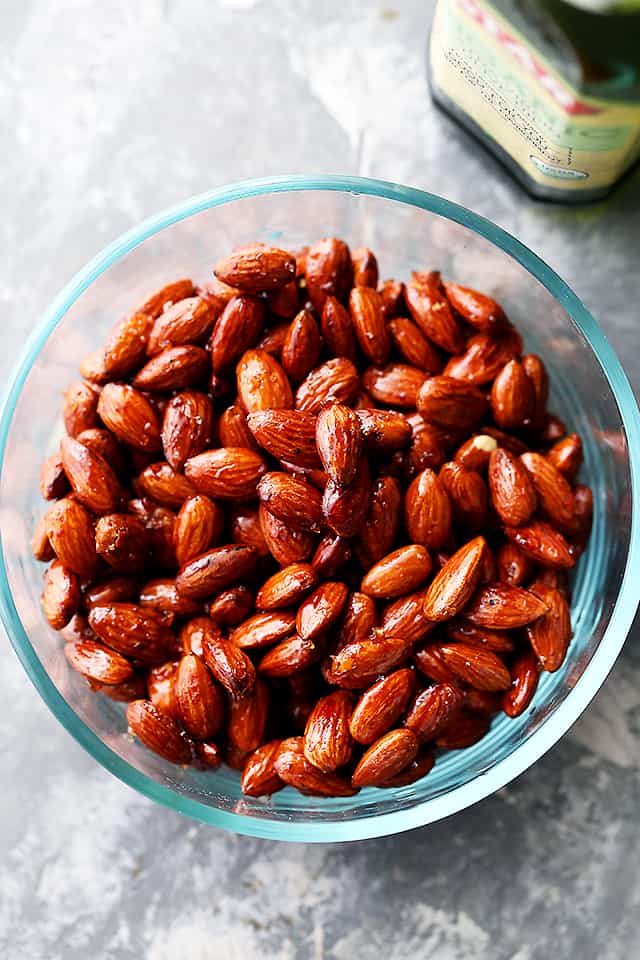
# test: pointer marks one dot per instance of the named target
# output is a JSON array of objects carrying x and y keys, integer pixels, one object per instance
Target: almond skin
[
  {"x": 512, "y": 397},
  {"x": 92, "y": 480},
  {"x": 105, "y": 445},
  {"x": 537, "y": 374},
  {"x": 199, "y": 703},
  {"x": 60, "y": 595},
  {"x": 248, "y": 718},
  {"x": 465, "y": 729},
  {"x": 256, "y": 269},
  {"x": 186, "y": 321},
  {"x": 160, "y": 688},
  {"x": 478, "y": 310},
  {"x": 236, "y": 330},
  {"x": 431, "y": 311},
  {"x": 365, "y": 268},
  {"x": 398, "y": 573},
  {"x": 320, "y": 611},
  {"x": 345, "y": 508},
  {"x": 259, "y": 777},
  {"x": 198, "y": 525},
  {"x": 500, "y": 606},
  {"x": 164, "y": 485},
  {"x": 430, "y": 662},
  {"x": 328, "y": 271},
  {"x": 286, "y": 545},
  {"x": 566, "y": 455},
  {"x": 162, "y": 596},
  {"x": 286, "y": 587},
  {"x": 392, "y": 293},
  {"x": 69, "y": 530},
  {"x": 301, "y": 348},
  {"x": 173, "y": 292},
  {"x": 262, "y": 383},
  {"x": 475, "y": 453},
  {"x": 432, "y": 709},
  {"x": 359, "y": 618},
  {"x": 126, "y": 346},
  {"x": 379, "y": 707},
  {"x": 290, "y": 656},
  {"x": 296, "y": 503},
  {"x": 468, "y": 495},
  {"x": 111, "y": 590},
  {"x": 415, "y": 348},
  {"x": 405, "y": 617},
  {"x": 133, "y": 631},
  {"x": 128, "y": 414},
  {"x": 543, "y": 543},
  {"x": 415, "y": 771},
  {"x": 231, "y": 606},
  {"x": 173, "y": 369},
  {"x": 294, "y": 769},
  {"x": 452, "y": 404},
  {"x": 331, "y": 554},
  {"x": 336, "y": 379},
  {"x": 337, "y": 329},
  {"x": 397, "y": 384},
  {"x": 40, "y": 546},
  {"x": 263, "y": 630},
  {"x": 478, "y": 667},
  {"x": 244, "y": 526},
  {"x": 550, "y": 635},
  {"x": 339, "y": 442},
  {"x": 383, "y": 521},
  {"x": 186, "y": 427},
  {"x": 230, "y": 666},
  {"x": 53, "y": 480},
  {"x": 361, "y": 661},
  {"x": 554, "y": 492},
  {"x": 159, "y": 522},
  {"x": 512, "y": 492},
  {"x": 385, "y": 758},
  {"x": 79, "y": 408},
  {"x": 228, "y": 473},
  {"x": 453, "y": 586},
  {"x": 327, "y": 740},
  {"x": 383, "y": 431},
  {"x": 513, "y": 565},
  {"x": 365, "y": 307},
  {"x": 482, "y": 360},
  {"x": 524, "y": 682},
  {"x": 287, "y": 435},
  {"x": 233, "y": 429},
  {"x": 158, "y": 732},
  {"x": 121, "y": 540},
  {"x": 284, "y": 302},
  {"x": 428, "y": 512},
  {"x": 214, "y": 570}
]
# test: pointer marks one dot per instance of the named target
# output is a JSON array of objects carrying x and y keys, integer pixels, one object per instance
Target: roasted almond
[
  {"x": 214, "y": 570},
  {"x": 330, "y": 556},
  {"x": 256, "y": 268},
  {"x": 186, "y": 321},
  {"x": 133, "y": 631},
  {"x": 415, "y": 771},
  {"x": 430, "y": 309},
  {"x": 159, "y": 522},
  {"x": 113, "y": 589},
  {"x": 549, "y": 636},
  {"x": 552, "y": 430},
  {"x": 566, "y": 455},
  {"x": 361, "y": 661},
  {"x": 121, "y": 540},
  {"x": 327, "y": 739},
  {"x": 537, "y": 374},
  {"x": 328, "y": 271},
  {"x": 231, "y": 606},
  {"x": 92, "y": 479},
  {"x": 60, "y": 595},
  {"x": 106, "y": 446},
  {"x": 478, "y": 667},
  {"x": 428, "y": 511},
  {"x": 513, "y": 494},
  {"x": 475, "y": 453},
  {"x": 345, "y": 507},
  {"x": 199, "y": 703},
  {"x": 294, "y": 769},
  {"x": 452, "y": 404},
  {"x": 365, "y": 268},
  {"x": 286, "y": 587},
  {"x": 477, "y": 309},
  {"x": 69, "y": 530},
  {"x": 430, "y": 662},
  {"x": 262, "y": 383},
  {"x": 208, "y": 756},
  {"x": 513, "y": 565},
  {"x": 230, "y": 665},
  {"x": 542, "y": 542},
  {"x": 301, "y": 348},
  {"x": 383, "y": 431},
  {"x": 128, "y": 414},
  {"x": 454, "y": 584},
  {"x": 385, "y": 758},
  {"x": 360, "y": 616},
  {"x": 40, "y": 546},
  {"x": 392, "y": 293},
  {"x": 468, "y": 495},
  {"x": 337, "y": 329},
  {"x": 286, "y": 545},
  {"x": 233, "y": 429},
  {"x": 382, "y": 522},
  {"x": 512, "y": 397},
  {"x": 53, "y": 480},
  {"x": 554, "y": 492},
  {"x": 405, "y": 617},
  {"x": 161, "y": 299},
  {"x": 228, "y": 473},
  {"x": 173, "y": 369},
  {"x": 501, "y": 606},
  {"x": 465, "y": 729},
  {"x": 379, "y": 707},
  {"x": 164, "y": 485},
  {"x": 524, "y": 682},
  {"x": 79, "y": 408},
  {"x": 162, "y": 596},
  {"x": 397, "y": 384},
  {"x": 263, "y": 630},
  {"x": 259, "y": 777},
  {"x": 365, "y": 306},
  {"x": 244, "y": 526},
  {"x": 198, "y": 525},
  {"x": 126, "y": 347},
  {"x": 400, "y": 572},
  {"x": 236, "y": 330},
  {"x": 414, "y": 347},
  {"x": 186, "y": 427},
  {"x": 320, "y": 611},
  {"x": 287, "y": 435},
  {"x": 432, "y": 709},
  {"x": 248, "y": 717},
  {"x": 296, "y": 503},
  {"x": 193, "y": 632},
  {"x": 336, "y": 379},
  {"x": 284, "y": 302},
  {"x": 482, "y": 360},
  {"x": 339, "y": 442},
  {"x": 290, "y": 656},
  {"x": 158, "y": 732}
]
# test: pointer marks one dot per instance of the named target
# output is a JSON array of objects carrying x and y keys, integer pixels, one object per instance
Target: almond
[
  {"x": 582, "y": 515},
  {"x": 79, "y": 408},
  {"x": 345, "y": 508},
  {"x": 186, "y": 427},
  {"x": 173, "y": 369},
  {"x": 287, "y": 435},
  {"x": 452, "y": 404},
  {"x": 92, "y": 367},
  {"x": 537, "y": 374},
  {"x": 429, "y": 661},
  {"x": 414, "y": 347},
  {"x": 524, "y": 682},
  {"x": 478, "y": 667},
  {"x": 193, "y": 633},
  {"x": 230, "y": 665},
  {"x": 432, "y": 709},
  {"x": 164, "y": 485},
  {"x": 286, "y": 546},
  {"x": 359, "y": 618},
  {"x": 477, "y": 309},
  {"x": 328, "y": 271},
  {"x": 331, "y": 555},
  {"x": 500, "y": 606},
  {"x": 365, "y": 268},
  {"x": 430, "y": 309},
  {"x": 133, "y": 631},
  {"x": 552, "y": 429},
  {"x": 392, "y": 293},
  {"x": 468, "y": 496},
  {"x": 379, "y": 707},
  {"x": 126, "y": 347},
  {"x": 53, "y": 480},
  {"x": 512, "y": 397},
  {"x": 165, "y": 296},
  {"x": 397, "y": 384},
  {"x": 482, "y": 360},
  {"x": 262, "y": 383},
  {"x": 566, "y": 455},
  {"x": 327, "y": 740},
  {"x": 244, "y": 526},
  {"x": 301, "y": 348},
  {"x": 475, "y": 453},
  {"x": 361, "y": 661},
  {"x": 286, "y": 587},
  {"x": 365, "y": 306},
  {"x": 455, "y": 583},
  {"x": 263, "y": 630},
  {"x": 40, "y": 546},
  {"x": 259, "y": 777},
  {"x": 121, "y": 540},
  {"x": 290, "y": 656},
  {"x": 199, "y": 703},
  {"x": 385, "y": 758},
  {"x": 465, "y": 729},
  {"x": 428, "y": 511},
  {"x": 198, "y": 525},
  {"x": 92, "y": 480},
  {"x": 550, "y": 635},
  {"x": 128, "y": 414},
  {"x": 294, "y": 769},
  {"x": 554, "y": 492},
  {"x": 415, "y": 771},
  {"x": 236, "y": 330},
  {"x": 162, "y": 596},
  {"x": 383, "y": 520},
  {"x": 207, "y": 756},
  {"x": 284, "y": 302},
  {"x": 106, "y": 446},
  {"x": 233, "y": 428},
  {"x": 186, "y": 321},
  {"x": 256, "y": 269},
  {"x": 111, "y": 590},
  {"x": 231, "y": 606},
  {"x": 383, "y": 431},
  {"x": 337, "y": 329},
  {"x": 296, "y": 503},
  {"x": 159, "y": 522},
  {"x": 513, "y": 565},
  {"x": 158, "y": 732},
  {"x": 217, "y": 294},
  {"x": 339, "y": 442},
  {"x": 248, "y": 718},
  {"x": 215, "y": 569},
  {"x": 400, "y": 572},
  {"x": 334, "y": 380},
  {"x": 513, "y": 494},
  {"x": 320, "y": 611},
  {"x": 405, "y": 617},
  {"x": 60, "y": 595},
  {"x": 506, "y": 440},
  {"x": 228, "y": 473},
  {"x": 70, "y": 533}
]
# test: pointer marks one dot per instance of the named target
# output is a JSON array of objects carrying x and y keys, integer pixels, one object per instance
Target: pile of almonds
[{"x": 310, "y": 525}]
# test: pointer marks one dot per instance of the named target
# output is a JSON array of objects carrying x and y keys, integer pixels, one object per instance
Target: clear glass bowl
[{"x": 408, "y": 229}]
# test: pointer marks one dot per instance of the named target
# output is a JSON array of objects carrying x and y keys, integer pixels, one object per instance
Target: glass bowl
[{"x": 409, "y": 230}]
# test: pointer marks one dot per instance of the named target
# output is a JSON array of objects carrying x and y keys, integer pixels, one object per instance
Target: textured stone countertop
[{"x": 110, "y": 112}]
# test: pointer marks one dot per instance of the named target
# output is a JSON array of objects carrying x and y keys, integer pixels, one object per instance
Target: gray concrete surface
[{"x": 109, "y": 112}]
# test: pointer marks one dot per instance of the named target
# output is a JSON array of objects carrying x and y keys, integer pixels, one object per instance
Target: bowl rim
[{"x": 553, "y": 727}]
